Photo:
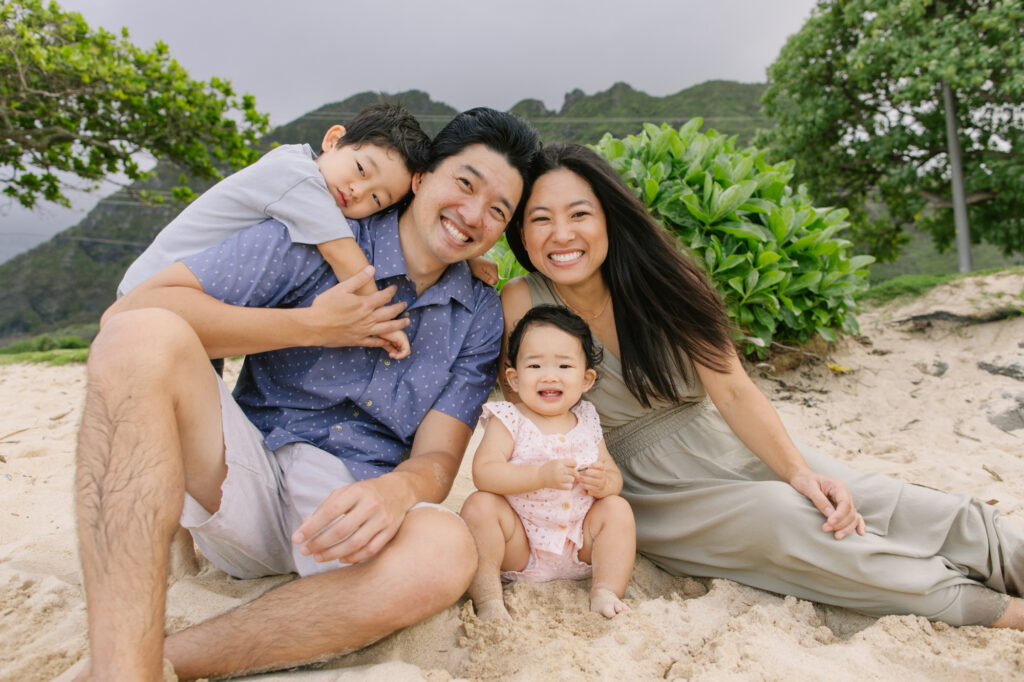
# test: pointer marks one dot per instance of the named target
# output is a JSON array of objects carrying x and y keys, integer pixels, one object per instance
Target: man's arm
[
  {"x": 370, "y": 512},
  {"x": 337, "y": 317}
]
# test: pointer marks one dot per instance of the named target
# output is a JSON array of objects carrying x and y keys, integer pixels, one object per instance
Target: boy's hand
[
  {"x": 396, "y": 344},
  {"x": 484, "y": 269},
  {"x": 559, "y": 474},
  {"x": 593, "y": 478}
]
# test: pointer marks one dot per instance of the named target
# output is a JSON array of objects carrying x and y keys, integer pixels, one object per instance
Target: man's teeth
[
  {"x": 563, "y": 257},
  {"x": 456, "y": 234}
]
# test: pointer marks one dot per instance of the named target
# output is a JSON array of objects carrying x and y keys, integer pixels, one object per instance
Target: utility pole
[{"x": 963, "y": 233}]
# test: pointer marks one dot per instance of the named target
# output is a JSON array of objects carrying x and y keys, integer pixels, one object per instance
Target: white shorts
[{"x": 264, "y": 498}]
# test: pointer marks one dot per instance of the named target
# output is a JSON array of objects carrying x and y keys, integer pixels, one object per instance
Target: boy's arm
[{"x": 346, "y": 259}]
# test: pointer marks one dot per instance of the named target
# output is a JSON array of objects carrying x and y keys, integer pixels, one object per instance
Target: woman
[{"x": 717, "y": 486}]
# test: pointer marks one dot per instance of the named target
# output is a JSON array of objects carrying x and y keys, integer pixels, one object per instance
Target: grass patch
[
  {"x": 60, "y": 356},
  {"x": 912, "y": 286}
]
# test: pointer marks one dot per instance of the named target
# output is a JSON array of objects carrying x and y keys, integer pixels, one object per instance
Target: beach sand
[{"x": 914, "y": 403}]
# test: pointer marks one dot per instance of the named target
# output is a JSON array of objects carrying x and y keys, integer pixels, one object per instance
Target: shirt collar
[{"x": 388, "y": 261}]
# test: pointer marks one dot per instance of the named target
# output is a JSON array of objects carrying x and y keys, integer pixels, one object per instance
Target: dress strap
[{"x": 627, "y": 440}]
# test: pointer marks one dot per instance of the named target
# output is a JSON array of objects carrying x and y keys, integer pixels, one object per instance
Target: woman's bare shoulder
[{"x": 515, "y": 298}]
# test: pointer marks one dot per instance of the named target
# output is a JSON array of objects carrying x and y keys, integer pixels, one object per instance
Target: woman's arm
[
  {"x": 756, "y": 423},
  {"x": 492, "y": 472}
]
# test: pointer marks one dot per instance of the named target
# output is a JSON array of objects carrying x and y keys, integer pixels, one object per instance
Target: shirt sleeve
[
  {"x": 298, "y": 198},
  {"x": 258, "y": 267},
  {"x": 475, "y": 369}
]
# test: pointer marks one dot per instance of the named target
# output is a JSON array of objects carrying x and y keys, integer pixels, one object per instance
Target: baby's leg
[
  {"x": 501, "y": 545},
  {"x": 609, "y": 545}
]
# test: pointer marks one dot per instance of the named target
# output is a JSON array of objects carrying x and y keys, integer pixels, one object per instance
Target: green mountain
[{"x": 72, "y": 278}]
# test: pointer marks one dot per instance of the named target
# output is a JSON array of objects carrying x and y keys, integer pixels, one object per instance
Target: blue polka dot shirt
[{"x": 356, "y": 403}]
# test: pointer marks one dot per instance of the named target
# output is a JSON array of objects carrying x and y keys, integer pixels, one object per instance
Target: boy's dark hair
[
  {"x": 499, "y": 131},
  {"x": 390, "y": 126},
  {"x": 561, "y": 318}
]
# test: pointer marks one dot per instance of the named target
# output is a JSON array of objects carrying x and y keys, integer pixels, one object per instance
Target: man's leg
[
  {"x": 150, "y": 427},
  {"x": 424, "y": 569}
]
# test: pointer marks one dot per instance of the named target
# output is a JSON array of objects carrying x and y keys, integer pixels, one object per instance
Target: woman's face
[{"x": 564, "y": 228}]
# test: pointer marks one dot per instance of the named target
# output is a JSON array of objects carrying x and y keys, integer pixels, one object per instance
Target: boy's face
[{"x": 363, "y": 179}]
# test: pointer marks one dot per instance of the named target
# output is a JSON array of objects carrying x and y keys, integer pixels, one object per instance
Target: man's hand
[
  {"x": 833, "y": 500},
  {"x": 353, "y": 524},
  {"x": 341, "y": 317}
]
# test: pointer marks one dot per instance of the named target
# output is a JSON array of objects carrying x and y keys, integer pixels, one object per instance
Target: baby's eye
[
  {"x": 565, "y": 367},
  {"x": 360, "y": 167},
  {"x": 533, "y": 366}
]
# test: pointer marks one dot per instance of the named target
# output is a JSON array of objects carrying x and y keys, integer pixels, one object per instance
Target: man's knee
[
  {"x": 150, "y": 338},
  {"x": 445, "y": 551}
]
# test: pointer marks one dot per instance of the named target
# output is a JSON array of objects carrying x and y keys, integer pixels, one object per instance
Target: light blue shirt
[{"x": 356, "y": 403}]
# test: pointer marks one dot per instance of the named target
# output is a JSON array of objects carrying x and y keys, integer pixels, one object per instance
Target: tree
[
  {"x": 81, "y": 102},
  {"x": 857, "y": 95}
]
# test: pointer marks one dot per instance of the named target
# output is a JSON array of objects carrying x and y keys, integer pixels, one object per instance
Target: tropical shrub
[{"x": 778, "y": 262}]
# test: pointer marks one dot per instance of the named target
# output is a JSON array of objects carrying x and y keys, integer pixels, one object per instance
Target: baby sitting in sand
[{"x": 548, "y": 507}]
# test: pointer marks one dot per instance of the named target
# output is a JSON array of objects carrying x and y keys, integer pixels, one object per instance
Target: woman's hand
[
  {"x": 559, "y": 474},
  {"x": 833, "y": 500}
]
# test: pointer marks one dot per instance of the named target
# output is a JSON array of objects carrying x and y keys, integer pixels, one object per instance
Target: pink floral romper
[{"x": 553, "y": 519}]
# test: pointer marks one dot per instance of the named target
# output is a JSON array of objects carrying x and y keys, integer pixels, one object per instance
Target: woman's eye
[{"x": 579, "y": 214}]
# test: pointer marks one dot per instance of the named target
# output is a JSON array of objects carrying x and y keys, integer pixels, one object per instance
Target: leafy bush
[{"x": 777, "y": 261}]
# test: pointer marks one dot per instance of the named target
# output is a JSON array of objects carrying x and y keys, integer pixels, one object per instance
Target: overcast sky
[{"x": 464, "y": 53}]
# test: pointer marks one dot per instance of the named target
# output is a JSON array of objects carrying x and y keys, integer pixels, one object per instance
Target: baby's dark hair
[
  {"x": 561, "y": 318},
  {"x": 390, "y": 126}
]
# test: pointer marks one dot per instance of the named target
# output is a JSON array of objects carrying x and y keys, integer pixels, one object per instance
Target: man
[{"x": 162, "y": 442}]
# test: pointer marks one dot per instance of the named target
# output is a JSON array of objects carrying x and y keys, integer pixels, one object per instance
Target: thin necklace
[{"x": 586, "y": 317}]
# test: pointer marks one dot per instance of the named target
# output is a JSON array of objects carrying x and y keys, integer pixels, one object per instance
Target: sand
[{"x": 908, "y": 399}]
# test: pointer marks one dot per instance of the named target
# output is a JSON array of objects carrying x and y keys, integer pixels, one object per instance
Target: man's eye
[
  {"x": 501, "y": 214},
  {"x": 465, "y": 183}
]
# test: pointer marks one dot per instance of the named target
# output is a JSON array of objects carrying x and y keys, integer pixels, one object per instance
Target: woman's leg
[
  {"x": 501, "y": 545},
  {"x": 609, "y": 545}
]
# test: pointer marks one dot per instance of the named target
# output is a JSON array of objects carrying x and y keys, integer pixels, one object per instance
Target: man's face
[{"x": 462, "y": 207}]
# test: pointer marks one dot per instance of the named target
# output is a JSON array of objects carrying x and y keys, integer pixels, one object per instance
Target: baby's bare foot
[
  {"x": 606, "y": 602},
  {"x": 493, "y": 609}
]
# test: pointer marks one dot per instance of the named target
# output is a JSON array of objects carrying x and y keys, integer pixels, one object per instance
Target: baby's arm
[
  {"x": 492, "y": 472},
  {"x": 346, "y": 259},
  {"x": 602, "y": 478}
]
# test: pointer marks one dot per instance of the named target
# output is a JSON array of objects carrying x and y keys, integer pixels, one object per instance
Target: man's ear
[
  {"x": 417, "y": 178},
  {"x": 331, "y": 137}
]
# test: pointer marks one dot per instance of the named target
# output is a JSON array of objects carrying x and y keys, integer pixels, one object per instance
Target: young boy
[{"x": 363, "y": 169}]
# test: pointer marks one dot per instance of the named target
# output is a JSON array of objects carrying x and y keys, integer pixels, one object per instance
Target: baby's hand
[
  {"x": 484, "y": 269},
  {"x": 396, "y": 344},
  {"x": 559, "y": 474},
  {"x": 592, "y": 478}
]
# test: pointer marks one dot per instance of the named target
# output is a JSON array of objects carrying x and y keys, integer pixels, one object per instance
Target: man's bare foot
[
  {"x": 493, "y": 609},
  {"x": 606, "y": 602}
]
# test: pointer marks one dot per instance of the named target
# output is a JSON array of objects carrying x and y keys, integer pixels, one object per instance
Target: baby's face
[
  {"x": 364, "y": 179},
  {"x": 551, "y": 372}
]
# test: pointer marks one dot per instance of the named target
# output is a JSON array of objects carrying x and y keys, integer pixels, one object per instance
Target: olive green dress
[{"x": 706, "y": 505}]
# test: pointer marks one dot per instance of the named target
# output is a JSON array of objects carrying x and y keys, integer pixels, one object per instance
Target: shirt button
[
  {"x": 405, "y": 314},
  {"x": 561, "y": 439},
  {"x": 561, "y": 527},
  {"x": 368, "y": 403},
  {"x": 387, "y": 362},
  {"x": 355, "y": 412},
  {"x": 565, "y": 505},
  {"x": 337, "y": 427}
]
